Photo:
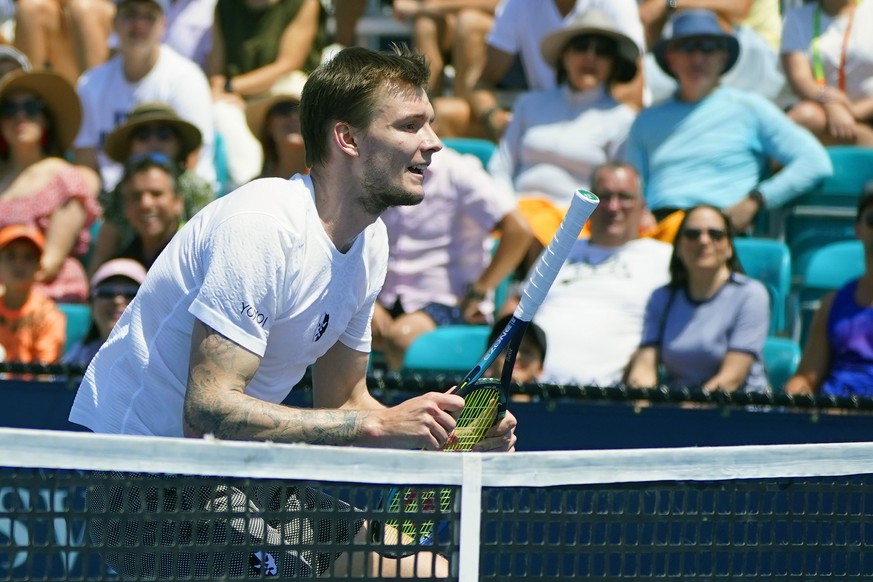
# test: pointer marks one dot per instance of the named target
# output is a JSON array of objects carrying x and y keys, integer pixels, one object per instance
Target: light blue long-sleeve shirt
[{"x": 715, "y": 151}]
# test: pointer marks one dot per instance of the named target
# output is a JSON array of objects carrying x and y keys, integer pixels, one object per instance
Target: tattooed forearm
[{"x": 216, "y": 403}]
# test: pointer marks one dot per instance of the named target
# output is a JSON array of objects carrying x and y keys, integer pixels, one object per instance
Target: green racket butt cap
[{"x": 587, "y": 195}]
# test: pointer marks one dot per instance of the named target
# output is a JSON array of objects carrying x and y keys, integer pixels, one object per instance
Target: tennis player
[{"x": 275, "y": 277}]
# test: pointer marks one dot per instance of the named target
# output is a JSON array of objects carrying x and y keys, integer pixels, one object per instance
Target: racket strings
[
  {"x": 478, "y": 415},
  {"x": 421, "y": 502}
]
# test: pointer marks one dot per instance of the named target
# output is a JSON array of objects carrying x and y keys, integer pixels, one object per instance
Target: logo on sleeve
[
  {"x": 322, "y": 327},
  {"x": 253, "y": 314}
]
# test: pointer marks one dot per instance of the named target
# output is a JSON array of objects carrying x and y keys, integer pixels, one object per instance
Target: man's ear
[{"x": 346, "y": 138}]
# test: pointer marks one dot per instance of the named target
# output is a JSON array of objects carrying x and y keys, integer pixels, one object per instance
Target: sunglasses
[
  {"x": 113, "y": 291},
  {"x": 30, "y": 107},
  {"x": 146, "y": 132},
  {"x": 602, "y": 47},
  {"x": 714, "y": 234},
  {"x": 284, "y": 108},
  {"x": 706, "y": 46}
]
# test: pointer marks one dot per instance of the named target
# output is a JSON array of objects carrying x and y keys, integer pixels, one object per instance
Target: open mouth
[{"x": 418, "y": 169}]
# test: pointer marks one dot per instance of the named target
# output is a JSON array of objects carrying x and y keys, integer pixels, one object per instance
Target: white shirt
[
  {"x": 593, "y": 315},
  {"x": 108, "y": 98},
  {"x": 520, "y": 25},
  {"x": 256, "y": 266}
]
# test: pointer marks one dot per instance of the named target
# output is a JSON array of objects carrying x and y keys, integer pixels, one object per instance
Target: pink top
[
  {"x": 440, "y": 246},
  {"x": 71, "y": 284}
]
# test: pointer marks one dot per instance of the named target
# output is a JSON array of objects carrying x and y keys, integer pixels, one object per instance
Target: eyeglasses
[
  {"x": 146, "y": 132},
  {"x": 284, "y": 108},
  {"x": 714, "y": 234},
  {"x": 706, "y": 46},
  {"x": 30, "y": 107},
  {"x": 113, "y": 291},
  {"x": 602, "y": 47}
]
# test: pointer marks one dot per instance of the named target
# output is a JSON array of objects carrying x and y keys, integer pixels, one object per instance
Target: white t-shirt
[
  {"x": 520, "y": 25},
  {"x": 593, "y": 315},
  {"x": 798, "y": 31},
  {"x": 108, "y": 98},
  {"x": 256, "y": 266}
]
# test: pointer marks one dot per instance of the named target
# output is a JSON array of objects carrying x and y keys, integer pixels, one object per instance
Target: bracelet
[
  {"x": 228, "y": 85},
  {"x": 474, "y": 294},
  {"x": 759, "y": 198}
]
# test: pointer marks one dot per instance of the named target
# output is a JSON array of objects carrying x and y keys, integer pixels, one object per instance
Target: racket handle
[{"x": 552, "y": 259}]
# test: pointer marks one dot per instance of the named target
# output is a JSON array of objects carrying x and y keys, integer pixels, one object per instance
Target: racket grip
[{"x": 552, "y": 258}]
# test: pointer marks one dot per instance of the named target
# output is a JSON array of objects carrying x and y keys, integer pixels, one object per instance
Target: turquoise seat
[
  {"x": 781, "y": 357},
  {"x": 481, "y": 148},
  {"x": 451, "y": 348},
  {"x": 78, "y": 321},
  {"x": 769, "y": 261}
]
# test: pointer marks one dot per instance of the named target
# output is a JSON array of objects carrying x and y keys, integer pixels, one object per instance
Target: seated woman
[
  {"x": 39, "y": 118},
  {"x": 708, "y": 325},
  {"x": 558, "y": 136},
  {"x": 151, "y": 127},
  {"x": 275, "y": 121},
  {"x": 113, "y": 287},
  {"x": 827, "y": 54},
  {"x": 838, "y": 356}
]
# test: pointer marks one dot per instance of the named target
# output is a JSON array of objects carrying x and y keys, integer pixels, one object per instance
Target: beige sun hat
[
  {"x": 288, "y": 88},
  {"x": 117, "y": 144},
  {"x": 59, "y": 96},
  {"x": 593, "y": 21}
]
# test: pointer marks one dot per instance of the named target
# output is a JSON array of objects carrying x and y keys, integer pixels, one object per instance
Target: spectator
[
  {"x": 558, "y": 136},
  {"x": 39, "y": 117},
  {"x": 143, "y": 71},
  {"x": 439, "y": 272},
  {"x": 593, "y": 315},
  {"x": 113, "y": 287},
  {"x": 255, "y": 43},
  {"x": 66, "y": 36},
  {"x": 529, "y": 359},
  {"x": 710, "y": 144},
  {"x": 450, "y": 32},
  {"x": 151, "y": 204},
  {"x": 32, "y": 328},
  {"x": 754, "y": 23},
  {"x": 827, "y": 53},
  {"x": 707, "y": 327},
  {"x": 275, "y": 120},
  {"x": 11, "y": 59},
  {"x": 519, "y": 27},
  {"x": 838, "y": 356},
  {"x": 189, "y": 29},
  {"x": 151, "y": 127}
]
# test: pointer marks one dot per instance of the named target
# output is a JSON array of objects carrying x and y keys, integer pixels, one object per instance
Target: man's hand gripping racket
[{"x": 485, "y": 398}]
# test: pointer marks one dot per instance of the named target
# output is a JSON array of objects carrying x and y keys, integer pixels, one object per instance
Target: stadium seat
[
  {"x": 78, "y": 321},
  {"x": 829, "y": 268},
  {"x": 769, "y": 261},
  {"x": 781, "y": 357},
  {"x": 481, "y": 148},
  {"x": 451, "y": 348}
]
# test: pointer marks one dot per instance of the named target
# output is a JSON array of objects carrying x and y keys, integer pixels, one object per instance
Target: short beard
[{"x": 376, "y": 199}]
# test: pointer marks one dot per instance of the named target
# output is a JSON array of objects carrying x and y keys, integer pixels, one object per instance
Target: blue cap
[{"x": 695, "y": 23}]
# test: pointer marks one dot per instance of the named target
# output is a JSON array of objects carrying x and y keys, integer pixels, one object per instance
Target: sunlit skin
[
  {"x": 698, "y": 73},
  {"x": 151, "y": 205},
  {"x": 705, "y": 259},
  {"x": 139, "y": 25},
  {"x": 586, "y": 70},
  {"x": 616, "y": 219},
  {"x": 19, "y": 262},
  {"x": 22, "y": 128},
  {"x": 107, "y": 310}
]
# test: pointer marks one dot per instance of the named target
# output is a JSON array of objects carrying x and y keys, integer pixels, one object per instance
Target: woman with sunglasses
[
  {"x": 151, "y": 127},
  {"x": 275, "y": 121},
  {"x": 113, "y": 287},
  {"x": 706, "y": 328},
  {"x": 39, "y": 118},
  {"x": 558, "y": 136}
]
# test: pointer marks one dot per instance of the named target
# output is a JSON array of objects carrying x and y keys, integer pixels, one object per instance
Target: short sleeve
[
  {"x": 753, "y": 319},
  {"x": 655, "y": 313}
]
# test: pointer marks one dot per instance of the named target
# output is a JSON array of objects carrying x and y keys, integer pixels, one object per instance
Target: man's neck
[
  {"x": 339, "y": 208},
  {"x": 138, "y": 65}
]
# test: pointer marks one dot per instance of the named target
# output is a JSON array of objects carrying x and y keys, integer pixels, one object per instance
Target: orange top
[{"x": 34, "y": 333}]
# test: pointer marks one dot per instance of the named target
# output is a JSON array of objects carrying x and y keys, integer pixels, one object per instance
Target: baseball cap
[
  {"x": 18, "y": 231},
  {"x": 164, "y": 5},
  {"x": 129, "y": 268}
]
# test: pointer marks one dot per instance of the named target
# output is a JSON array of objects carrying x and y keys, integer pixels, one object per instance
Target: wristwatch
[
  {"x": 757, "y": 197},
  {"x": 672, "y": 5},
  {"x": 228, "y": 85}
]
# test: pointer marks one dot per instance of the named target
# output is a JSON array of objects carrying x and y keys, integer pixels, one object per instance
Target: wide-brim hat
[
  {"x": 59, "y": 96},
  {"x": 696, "y": 23},
  {"x": 593, "y": 21},
  {"x": 288, "y": 88},
  {"x": 117, "y": 144},
  {"x": 22, "y": 231}
]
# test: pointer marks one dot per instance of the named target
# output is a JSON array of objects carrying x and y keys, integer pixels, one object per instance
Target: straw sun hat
[
  {"x": 59, "y": 96},
  {"x": 117, "y": 145}
]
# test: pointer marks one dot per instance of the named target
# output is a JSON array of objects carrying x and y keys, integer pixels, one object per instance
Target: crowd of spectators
[{"x": 120, "y": 119}]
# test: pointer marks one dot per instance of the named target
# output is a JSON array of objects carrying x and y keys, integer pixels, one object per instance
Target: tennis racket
[{"x": 485, "y": 398}]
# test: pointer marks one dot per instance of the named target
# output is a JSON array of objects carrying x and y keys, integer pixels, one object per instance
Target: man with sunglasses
[{"x": 715, "y": 145}]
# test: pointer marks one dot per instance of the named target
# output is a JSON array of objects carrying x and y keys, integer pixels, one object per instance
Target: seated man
[
  {"x": 439, "y": 272},
  {"x": 593, "y": 315},
  {"x": 710, "y": 144},
  {"x": 151, "y": 204}
]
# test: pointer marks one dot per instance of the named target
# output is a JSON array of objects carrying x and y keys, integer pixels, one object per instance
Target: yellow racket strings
[{"x": 477, "y": 416}]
